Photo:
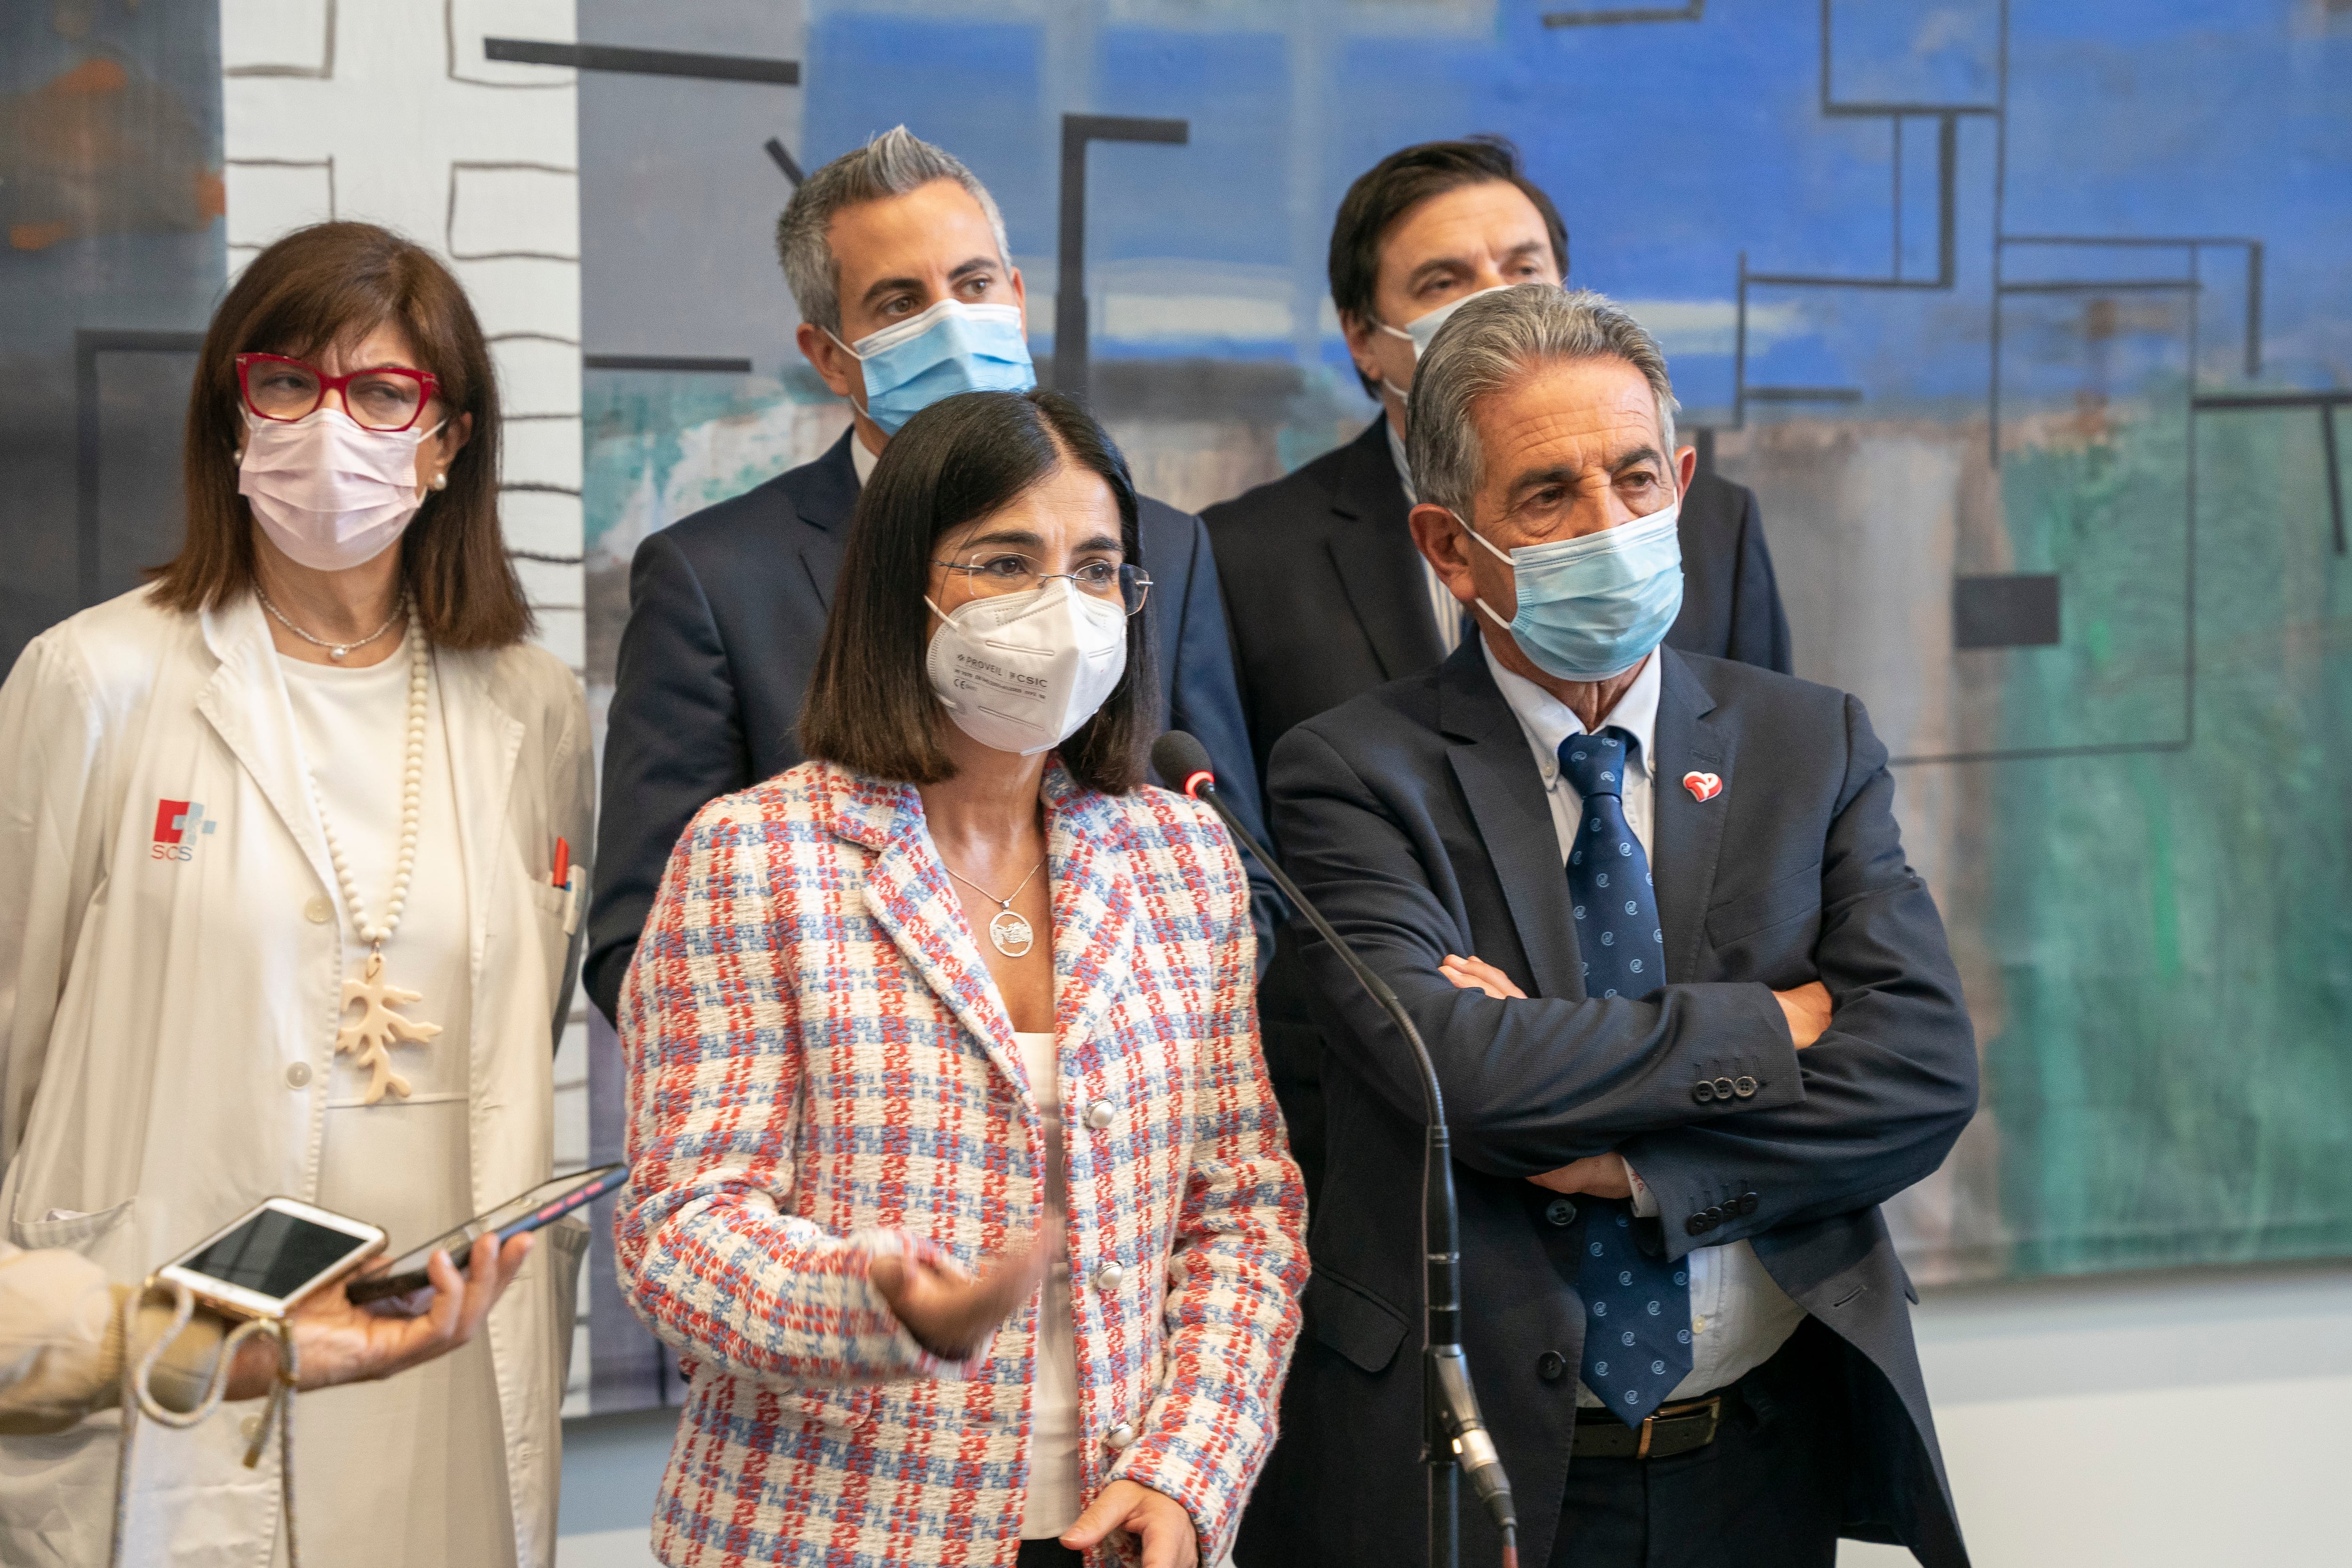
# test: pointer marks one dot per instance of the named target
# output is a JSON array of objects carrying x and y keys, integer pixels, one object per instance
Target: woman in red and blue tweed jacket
[{"x": 955, "y": 1177}]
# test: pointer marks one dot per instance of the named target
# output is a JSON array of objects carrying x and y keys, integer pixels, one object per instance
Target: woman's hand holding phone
[{"x": 338, "y": 1343}]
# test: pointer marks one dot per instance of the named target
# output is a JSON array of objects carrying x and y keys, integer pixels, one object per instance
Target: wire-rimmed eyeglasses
[{"x": 993, "y": 572}]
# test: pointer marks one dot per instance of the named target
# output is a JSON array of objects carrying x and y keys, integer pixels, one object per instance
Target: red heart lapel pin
[{"x": 1703, "y": 787}]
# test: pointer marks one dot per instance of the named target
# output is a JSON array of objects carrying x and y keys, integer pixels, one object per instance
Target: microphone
[{"x": 1458, "y": 1433}]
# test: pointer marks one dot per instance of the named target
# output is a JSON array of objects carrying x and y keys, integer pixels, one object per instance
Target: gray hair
[
  {"x": 893, "y": 165},
  {"x": 1489, "y": 344}
]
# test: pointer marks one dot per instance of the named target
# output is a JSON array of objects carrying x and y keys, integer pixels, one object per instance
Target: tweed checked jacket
[{"x": 820, "y": 1071}]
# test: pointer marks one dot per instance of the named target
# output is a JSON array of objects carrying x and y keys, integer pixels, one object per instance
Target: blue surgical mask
[
  {"x": 953, "y": 347},
  {"x": 1423, "y": 328},
  {"x": 1594, "y": 608}
]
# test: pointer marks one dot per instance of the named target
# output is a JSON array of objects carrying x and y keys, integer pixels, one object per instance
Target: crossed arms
[{"x": 1534, "y": 1085}]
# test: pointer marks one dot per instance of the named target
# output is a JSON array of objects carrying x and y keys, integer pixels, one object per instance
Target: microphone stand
[{"x": 1454, "y": 1435}]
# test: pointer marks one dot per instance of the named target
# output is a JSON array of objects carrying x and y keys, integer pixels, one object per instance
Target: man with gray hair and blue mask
[
  {"x": 1694, "y": 1018},
  {"x": 896, "y": 257}
]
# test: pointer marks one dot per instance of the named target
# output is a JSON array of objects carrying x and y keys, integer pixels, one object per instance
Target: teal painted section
[
  {"x": 655, "y": 446},
  {"x": 2172, "y": 1082}
]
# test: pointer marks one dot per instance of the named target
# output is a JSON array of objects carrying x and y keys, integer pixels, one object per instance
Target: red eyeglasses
[{"x": 389, "y": 398}]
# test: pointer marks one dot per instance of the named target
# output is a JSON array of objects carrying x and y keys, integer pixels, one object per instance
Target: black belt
[{"x": 1666, "y": 1431}]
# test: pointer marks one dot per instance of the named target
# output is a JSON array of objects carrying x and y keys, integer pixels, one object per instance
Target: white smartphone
[{"x": 264, "y": 1264}]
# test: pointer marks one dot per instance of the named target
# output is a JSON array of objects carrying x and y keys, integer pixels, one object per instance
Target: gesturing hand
[
  {"x": 1153, "y": 1518},
  {"x": 949, "y": 1310},
  {"x": 338, "y": 1342},
  {"x": 1808, "y": 1011}
]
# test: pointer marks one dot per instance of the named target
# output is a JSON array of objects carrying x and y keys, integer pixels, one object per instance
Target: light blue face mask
[
  {"x": 953, "y": 347},
  {"x": 1423, "y": 329},
  {"x": 1595, "y": 606}
]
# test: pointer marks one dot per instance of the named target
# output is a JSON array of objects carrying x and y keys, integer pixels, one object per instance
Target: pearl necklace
[{"x": 379, "y": 1026}]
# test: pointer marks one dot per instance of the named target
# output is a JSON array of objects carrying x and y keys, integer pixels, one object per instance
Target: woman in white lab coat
[{"x": 280, "y": 914}]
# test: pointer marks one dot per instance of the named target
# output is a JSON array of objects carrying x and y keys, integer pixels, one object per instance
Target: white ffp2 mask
[
  {"x": 330, "y": 492},
  {"x": 1021, "y": 672}
]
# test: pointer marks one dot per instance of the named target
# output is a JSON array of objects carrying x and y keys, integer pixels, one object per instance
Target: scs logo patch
[{"x": 178, "y": 824}]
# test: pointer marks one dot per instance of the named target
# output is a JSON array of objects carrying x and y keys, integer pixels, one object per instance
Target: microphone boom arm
[{"x": 1456, "y": 1439}]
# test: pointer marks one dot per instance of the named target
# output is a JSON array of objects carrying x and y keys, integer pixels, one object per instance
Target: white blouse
[
  {"x": 1056, "y": 1486},
  {"x": 411, "y": 1470}
]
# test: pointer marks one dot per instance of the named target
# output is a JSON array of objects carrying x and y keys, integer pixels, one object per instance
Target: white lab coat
[{"x": 168, "y": 1014}]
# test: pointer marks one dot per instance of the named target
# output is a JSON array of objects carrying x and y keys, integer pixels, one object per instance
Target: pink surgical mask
[{"x": 328, "y": 491}]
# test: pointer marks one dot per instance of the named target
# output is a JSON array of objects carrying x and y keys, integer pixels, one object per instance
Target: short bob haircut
[
  {"x": 324, "y": 287},
  {"x": 870, "y": 706},
  {"x": 1402, "y": 182}
]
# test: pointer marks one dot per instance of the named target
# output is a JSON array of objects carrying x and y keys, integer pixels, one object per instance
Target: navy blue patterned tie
[{"x": 1637, "y": 1337}]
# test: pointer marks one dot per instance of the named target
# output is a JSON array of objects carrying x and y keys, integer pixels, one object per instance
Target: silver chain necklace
[
  {"x": 1012, "y": 934},
  {"x": 334, "y": 650}
]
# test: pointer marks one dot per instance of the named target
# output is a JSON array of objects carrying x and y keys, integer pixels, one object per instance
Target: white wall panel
[
  {"x": 539, "y": 374},
  {"x": 267, "y": 196},
  {"x": 542, "y": 452},
  {"x": 543, "y": 522},
  {"x": 388, "y": 112},
  {"x": 278, "y": 37},
  {"x": 501, "y": 211},
  {"x": 524, "y": 294}
]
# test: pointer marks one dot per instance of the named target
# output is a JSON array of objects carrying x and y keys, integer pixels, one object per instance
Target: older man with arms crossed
[{"x": 1694, "y": 1014}]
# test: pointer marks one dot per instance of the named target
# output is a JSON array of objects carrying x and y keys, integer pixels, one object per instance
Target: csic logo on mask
[{"x": 178, "y": 823}]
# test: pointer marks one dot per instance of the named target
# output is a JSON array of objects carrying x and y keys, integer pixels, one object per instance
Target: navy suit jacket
[
  {"x": 1416, "y": 819},
  {"x": 726, "y": 613}
]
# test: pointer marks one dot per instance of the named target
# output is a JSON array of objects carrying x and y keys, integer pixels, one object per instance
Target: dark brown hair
[
  {"x": 1399, "y": 182},
  {"x": 329, "y": 285},
  {"x": 869, "y": 704}
]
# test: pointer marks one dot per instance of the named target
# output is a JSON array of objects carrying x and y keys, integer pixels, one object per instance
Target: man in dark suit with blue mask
[
  {"x": 1694, "y": 1015},
  {"x": 896, "y": 259}
]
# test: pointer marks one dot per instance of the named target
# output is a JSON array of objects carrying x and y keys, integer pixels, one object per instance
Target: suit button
[
  {"x": 1748, "y": 1202},
  {"x": 297, "y": 1076},
  {"x": 1119, "y": 1437},
  {"x": 1745, "y": 1088},
  {"x": 1559, "y": 1211},
  {"x": 1551, "y": 1366},
  {"x": 1701, "y": 1091},
  {"x": 1109, "y": 1276},
  {"x": 318, "y": 911},
  {"x": 1101, "y": 1114},
  {"x": 1697, "y": 1224},
  {"x": 1724, "y": 1088}
]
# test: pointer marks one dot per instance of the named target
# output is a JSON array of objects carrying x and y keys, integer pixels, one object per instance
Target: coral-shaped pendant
[{"x": 379, "y": 1026}]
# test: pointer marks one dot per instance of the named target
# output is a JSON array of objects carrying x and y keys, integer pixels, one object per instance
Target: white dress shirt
[
  {"x": 860, "y": 459},
  {"x": 1057, "y": 1431},
  {"x": 412, "y": 1469},
  {"x": 1444, "y": 607},
  {"x": 1739, "y": 1316}
]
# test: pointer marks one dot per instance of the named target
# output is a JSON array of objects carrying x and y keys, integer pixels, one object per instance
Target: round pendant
[
  {"x": 1011, "y": 933},
  {"x": 337, "y": 654}
]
